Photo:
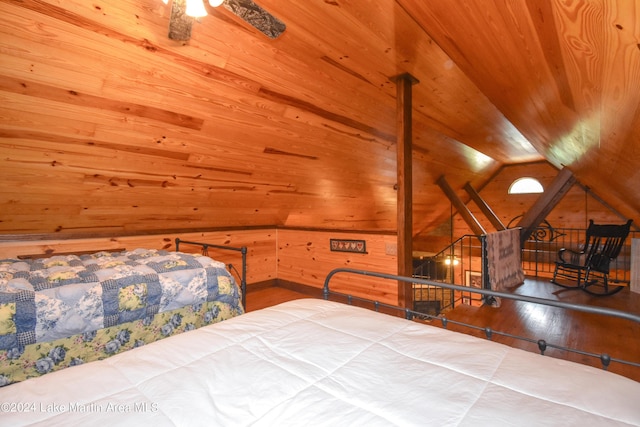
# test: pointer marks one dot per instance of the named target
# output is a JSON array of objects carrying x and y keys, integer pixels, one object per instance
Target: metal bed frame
[
  {"x": 243, "y": 250},
  {"x": 543, "y": 345}
]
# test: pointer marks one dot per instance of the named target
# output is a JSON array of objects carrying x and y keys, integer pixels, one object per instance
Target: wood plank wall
[
  {"x": 306, "y": 257},
  {"x": 573, "y": 211},
  {"x": 110, "y": 129},
  {"x": 295, "y": 255},
  {"x": 109, "y": 126},
  {"x": 260, "y": 243}
]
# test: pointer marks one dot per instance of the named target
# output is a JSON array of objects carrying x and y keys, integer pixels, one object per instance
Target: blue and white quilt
[{"x": 43, "y": 300}]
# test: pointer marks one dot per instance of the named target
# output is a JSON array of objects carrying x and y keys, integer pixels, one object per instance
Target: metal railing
[
  {"x": 461, "y": 263},
  {"x": 541, "y": 250},
  {"x": 542, "y": 344}
]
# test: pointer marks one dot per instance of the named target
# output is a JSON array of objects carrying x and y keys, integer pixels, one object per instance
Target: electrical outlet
[{"x": 390, "y": 249}]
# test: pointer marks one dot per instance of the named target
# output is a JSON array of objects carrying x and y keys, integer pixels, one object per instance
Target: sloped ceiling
[
  {"x": 566, "y": 74},
  {"x": 234, "y": 129},
  {"x": 514, "y": 81}
]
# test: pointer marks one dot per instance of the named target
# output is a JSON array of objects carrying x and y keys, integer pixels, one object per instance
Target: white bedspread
[{"x": 312, "y": 362}]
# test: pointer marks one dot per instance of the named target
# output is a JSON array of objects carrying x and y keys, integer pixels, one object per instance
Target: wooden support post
[
  {"x": 405, "y": 186},
  {"x": 545, "y": 203},
  {"x": 484, "y": 207},
  {"x": 462, "y": 209}
]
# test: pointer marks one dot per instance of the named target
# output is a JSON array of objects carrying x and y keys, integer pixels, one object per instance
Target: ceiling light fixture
[
  {"x": 451, "y": 261},
  {"x": 195, "y": 8},
  {"x": 183, "y": 13}
]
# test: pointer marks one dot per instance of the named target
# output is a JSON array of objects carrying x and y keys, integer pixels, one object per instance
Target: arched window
[{"x": 525, "y": 185}]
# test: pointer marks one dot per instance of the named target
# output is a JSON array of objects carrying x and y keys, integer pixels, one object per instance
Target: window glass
[{"x": 525, "y": 185}]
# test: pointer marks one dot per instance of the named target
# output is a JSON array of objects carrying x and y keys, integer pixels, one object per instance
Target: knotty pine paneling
[
  {"x": 305, "y": 257},
  {"x": 573, "y": 211},
  {"x": 579, "y": 110},
  {"x": 260, "y": 243},
  {"x": 107, "y": 125},
  {"x": 295, "y": 255},
  {"x": 132, "y": 162}
]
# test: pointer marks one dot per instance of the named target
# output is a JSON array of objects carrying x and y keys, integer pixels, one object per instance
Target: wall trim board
[
  {"x": 299, "y": 287},
  {"x": 32, "y": 237},
  {"x": 285, "y": 284},
  {"x": 259, "y": 286},
  {"x": 341, "y": 230}
]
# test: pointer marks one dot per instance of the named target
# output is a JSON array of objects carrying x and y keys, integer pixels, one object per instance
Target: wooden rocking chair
[{"x": 588, "y": 268}]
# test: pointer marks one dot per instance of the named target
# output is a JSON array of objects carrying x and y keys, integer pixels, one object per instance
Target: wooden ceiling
[{"x": 106, "y": 125}]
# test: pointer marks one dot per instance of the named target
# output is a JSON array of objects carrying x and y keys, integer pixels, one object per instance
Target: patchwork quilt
[{"x": 64, "y": 302}]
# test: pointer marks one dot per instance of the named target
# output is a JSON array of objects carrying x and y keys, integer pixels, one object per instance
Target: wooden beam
[
  {"x": 546, "y": 202},
  {"x": 462, "y": 209},
  {"x": 484, "y": 207},
  {"x": 405, "y": 186}
]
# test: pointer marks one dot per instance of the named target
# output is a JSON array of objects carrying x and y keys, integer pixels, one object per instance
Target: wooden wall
[
  {"x": 109, "y": 127},
  {"x": 296, "y": 255},
  {"x": 260, "y": 243},
  {"x": 574, "y": 210},
  {"x": 306, "y": 257}
]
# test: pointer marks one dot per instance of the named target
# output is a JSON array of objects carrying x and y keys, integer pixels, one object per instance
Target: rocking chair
[{"x": 588, "y": 268}]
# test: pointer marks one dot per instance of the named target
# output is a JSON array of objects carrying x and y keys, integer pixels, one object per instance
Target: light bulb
[
  {"x": 195, "y": 8},
  {"x": 215, "y": 3}
]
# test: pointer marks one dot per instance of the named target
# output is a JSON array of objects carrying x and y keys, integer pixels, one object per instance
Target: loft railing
[
  {"x": 542, "y": 343},
  {"x": 541, "y": 250},
  {"x": 461, "y": 263}
]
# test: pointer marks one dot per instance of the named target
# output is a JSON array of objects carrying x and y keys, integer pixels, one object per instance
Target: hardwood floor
[
  {"x": 266, "y": 297},
  {"x": 619, "y": 338}
]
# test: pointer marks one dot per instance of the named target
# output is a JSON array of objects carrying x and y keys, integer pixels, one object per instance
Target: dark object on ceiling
[{"x": 180, "y": 23}]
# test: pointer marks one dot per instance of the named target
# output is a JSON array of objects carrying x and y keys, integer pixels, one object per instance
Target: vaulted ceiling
[
  {"x": 565, "y": 74},
  {"x": 501, "y": 82},
  {"x": 235, "y": 129}
]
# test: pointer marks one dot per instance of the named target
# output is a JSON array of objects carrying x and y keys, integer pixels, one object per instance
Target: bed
[
  {"x": 61, "y": 311},
  {"x": 321, "y": 362}
]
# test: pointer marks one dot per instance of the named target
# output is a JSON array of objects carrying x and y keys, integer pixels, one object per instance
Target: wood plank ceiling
[{"x": 106, "y": 125}]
